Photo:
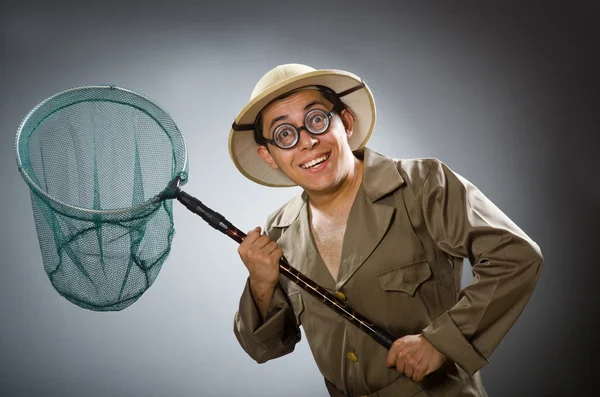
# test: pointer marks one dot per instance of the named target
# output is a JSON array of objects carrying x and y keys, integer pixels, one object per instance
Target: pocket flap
[{"x": 405, "y": 278}]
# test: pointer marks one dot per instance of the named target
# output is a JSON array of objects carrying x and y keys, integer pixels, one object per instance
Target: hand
[
  {"x": 414, "y": 356},
  {"x": 261, "y": 257}
]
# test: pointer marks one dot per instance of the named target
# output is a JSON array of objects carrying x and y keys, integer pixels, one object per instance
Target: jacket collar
[
  {"x": 380, "y": 177},
  {"x": 368, "y": 221}
]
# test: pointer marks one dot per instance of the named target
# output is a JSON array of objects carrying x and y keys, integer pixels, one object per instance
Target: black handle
[{"x": 219, "y": 222}]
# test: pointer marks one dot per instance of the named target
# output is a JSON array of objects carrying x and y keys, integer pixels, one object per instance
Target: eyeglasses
[
  {"x": 287, "y": 136},
  {"x": 257, "y": 130}
]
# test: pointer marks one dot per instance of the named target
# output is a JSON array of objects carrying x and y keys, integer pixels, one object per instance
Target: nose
[{"x": 307, "y": 141}]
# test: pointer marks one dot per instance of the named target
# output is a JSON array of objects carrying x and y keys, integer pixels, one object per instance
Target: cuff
[
  {"x": 275, "y": 320},
  {"x": 446, "y": 337}
]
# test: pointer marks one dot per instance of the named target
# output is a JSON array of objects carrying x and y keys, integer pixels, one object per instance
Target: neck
[{"x": 341, "y": 198}]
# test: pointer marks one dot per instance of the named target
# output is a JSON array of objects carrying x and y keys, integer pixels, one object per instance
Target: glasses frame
[{"x": 328, "y": 116}]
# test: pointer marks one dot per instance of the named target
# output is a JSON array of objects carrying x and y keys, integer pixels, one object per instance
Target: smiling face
[{"x": 318, "y": 163}]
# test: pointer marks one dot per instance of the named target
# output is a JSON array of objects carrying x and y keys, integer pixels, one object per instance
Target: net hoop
[{"x": 87, "y": 213}]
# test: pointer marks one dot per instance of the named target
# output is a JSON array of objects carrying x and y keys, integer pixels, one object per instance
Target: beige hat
[{"x": 279, "y": 81}]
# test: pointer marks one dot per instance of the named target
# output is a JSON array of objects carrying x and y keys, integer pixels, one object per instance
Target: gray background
[{"x": 506, "y": 95}]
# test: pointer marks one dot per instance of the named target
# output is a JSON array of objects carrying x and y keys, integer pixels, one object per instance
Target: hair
[{"x": 327, "y": 94}]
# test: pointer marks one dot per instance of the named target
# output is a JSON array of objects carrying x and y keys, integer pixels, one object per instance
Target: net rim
[{"x": 116, "y": 211}]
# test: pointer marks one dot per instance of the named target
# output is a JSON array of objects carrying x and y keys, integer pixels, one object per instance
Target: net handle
[{"x": 219, "y": 222}]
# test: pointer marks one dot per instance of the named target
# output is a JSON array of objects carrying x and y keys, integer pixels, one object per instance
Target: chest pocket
[{"x": 405, "y": 278}]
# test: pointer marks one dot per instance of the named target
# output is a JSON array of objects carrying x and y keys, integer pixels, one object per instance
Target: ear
[
  {"x": 264, "y": 154},
  {"x": 348, "y": 121}
]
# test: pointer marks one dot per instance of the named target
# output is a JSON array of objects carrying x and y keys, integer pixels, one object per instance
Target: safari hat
[{"x": 280, "y": 81}]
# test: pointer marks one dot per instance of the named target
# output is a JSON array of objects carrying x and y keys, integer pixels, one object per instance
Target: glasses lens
[
  {"x": 285, "y": 136},
  {"x": 316, "y": 121}
]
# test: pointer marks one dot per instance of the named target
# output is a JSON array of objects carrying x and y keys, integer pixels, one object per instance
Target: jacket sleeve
[
  {"x": 276, "y": 336},
  {"x": 506, "y": 266}
]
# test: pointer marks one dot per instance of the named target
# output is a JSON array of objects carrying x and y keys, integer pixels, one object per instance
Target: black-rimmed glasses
[{"x": 286, "y": 136}]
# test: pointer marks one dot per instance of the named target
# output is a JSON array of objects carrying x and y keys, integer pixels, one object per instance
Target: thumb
[
  {"x": 249, "y": 236},
  {"x": 256, "y": 229}
]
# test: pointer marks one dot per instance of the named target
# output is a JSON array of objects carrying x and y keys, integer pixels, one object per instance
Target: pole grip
[{"x": 219, "y": 222}]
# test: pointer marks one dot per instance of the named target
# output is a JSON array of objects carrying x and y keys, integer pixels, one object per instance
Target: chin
[{"x": 320, "y": 187}]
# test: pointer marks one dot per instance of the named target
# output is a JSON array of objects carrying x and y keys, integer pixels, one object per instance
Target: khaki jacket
[{"x": 410, "y": 226}]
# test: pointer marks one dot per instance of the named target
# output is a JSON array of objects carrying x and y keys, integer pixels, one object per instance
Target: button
[
  {"x": 340, "y": 296},
  {"x": 351, "y": 356}
]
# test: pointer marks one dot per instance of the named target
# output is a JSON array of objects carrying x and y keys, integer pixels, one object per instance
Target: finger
[
  {"x": 418, "y": 377},
  {"x": 402, "y": 364},
  {"x": 276, "y": 255},
  {"x": 391, "y": 358},
  {"x": 408, "y": 371},
  {"x": 270, "y": 247},
  {"x": 263, "y": 254},
  {"x": 245, "y": 248},
  {"x": 392, "y": 355},
  {"x": 252, "y": 236},
  {"x": 262, "y": 242},
  {"x": 418, "y": 371}
]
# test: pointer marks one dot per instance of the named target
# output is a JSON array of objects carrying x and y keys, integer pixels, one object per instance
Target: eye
[
  {"x": 285, "y": 135},
  {"x": 317, "y": 121}
]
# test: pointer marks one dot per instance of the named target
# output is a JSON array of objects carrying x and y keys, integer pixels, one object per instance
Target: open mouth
[{"x": 315, "y": 163}]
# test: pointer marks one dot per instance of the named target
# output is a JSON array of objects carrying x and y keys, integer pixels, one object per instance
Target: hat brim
[{"x": 243, "y": 148}]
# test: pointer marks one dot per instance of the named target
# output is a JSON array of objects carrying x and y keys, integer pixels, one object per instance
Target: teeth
[{"x": 315, "y": 162}]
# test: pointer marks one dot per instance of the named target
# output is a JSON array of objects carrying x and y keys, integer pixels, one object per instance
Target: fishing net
[
  {"x": 99, "y": 162},
  {"x": 103, "y": 164}
]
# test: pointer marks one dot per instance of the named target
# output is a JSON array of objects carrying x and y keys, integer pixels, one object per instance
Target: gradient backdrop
[{"x": 505, "y": 95}]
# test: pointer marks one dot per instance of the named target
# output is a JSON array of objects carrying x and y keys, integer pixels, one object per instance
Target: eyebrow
[{"x": 285, "y": 116}]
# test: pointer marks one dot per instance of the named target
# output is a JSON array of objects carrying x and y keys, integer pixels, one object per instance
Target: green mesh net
[{"x": 98, "y": 161}]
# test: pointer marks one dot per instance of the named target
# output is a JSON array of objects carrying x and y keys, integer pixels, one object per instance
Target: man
[{"x": 386, "y": 236}]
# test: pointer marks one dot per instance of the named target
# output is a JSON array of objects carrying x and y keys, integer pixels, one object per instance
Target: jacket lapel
[
  {"x": 299, "y": 247},
  {"x": 369, "y": 219},
  {"x": 367, "y": 224}
]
